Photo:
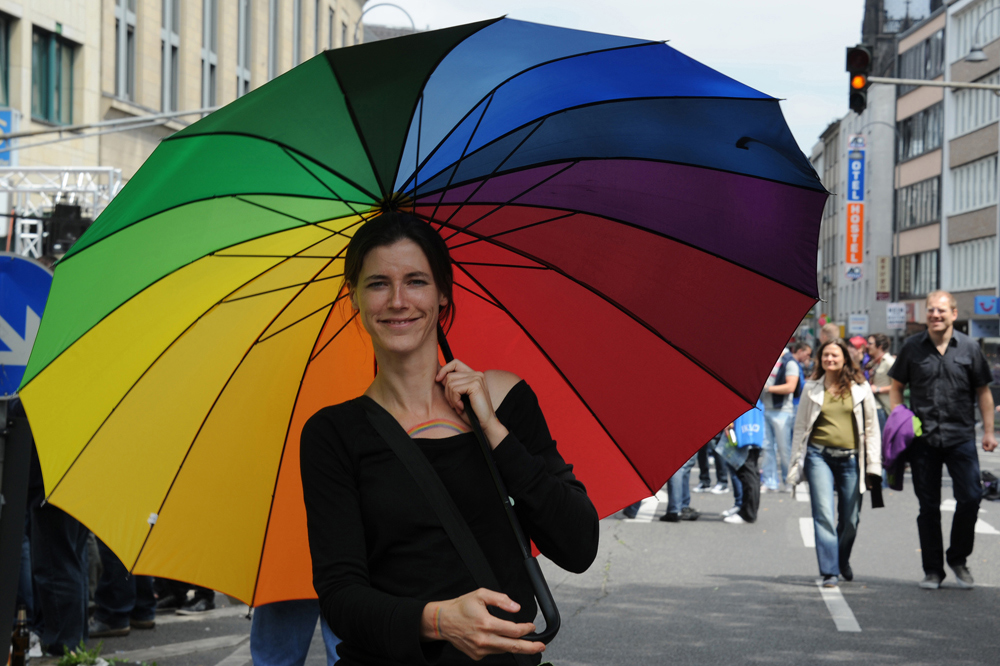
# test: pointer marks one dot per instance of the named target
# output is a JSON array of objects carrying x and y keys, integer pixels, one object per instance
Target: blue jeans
[
  {"x": 829, "y": 475},
  {"x": 280, "y": 633},
  {"x": 777, "y": 446},
  {"x": 737, "y": 486},
  {"x": 121, "y": 597},
  {"x": 963, "y": 467},
  {"x": 679, "y": 488}
]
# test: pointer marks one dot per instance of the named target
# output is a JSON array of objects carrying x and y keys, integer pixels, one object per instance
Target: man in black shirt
[{"x": 947, "y": 374}]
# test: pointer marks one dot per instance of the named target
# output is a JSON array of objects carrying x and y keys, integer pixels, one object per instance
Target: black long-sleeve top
[{"x": 379, "y": 553}]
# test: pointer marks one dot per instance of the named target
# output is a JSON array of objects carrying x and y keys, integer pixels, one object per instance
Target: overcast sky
[{"x": 790, "y": 49}]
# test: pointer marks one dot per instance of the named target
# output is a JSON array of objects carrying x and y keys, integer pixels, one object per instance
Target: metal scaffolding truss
[{"x": 28, "y": 194}]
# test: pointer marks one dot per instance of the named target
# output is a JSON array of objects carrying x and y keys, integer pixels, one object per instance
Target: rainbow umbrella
[{"x": 633, "y": 233}]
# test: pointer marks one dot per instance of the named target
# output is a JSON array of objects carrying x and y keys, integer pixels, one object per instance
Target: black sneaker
[
  {"x": 670, "y": 518},
  {"x": 931, "y": 581},
  {"x": 168, "y": 603},
  {"x": 196, "y": 606},
  {"x": 846, "y": 572},
  {"x": 687, "y": 513},
  {"x": 962, "y": 576},
  {"x": 98, "y": 629}
]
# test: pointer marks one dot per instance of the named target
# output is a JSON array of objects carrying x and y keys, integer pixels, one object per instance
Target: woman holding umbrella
[
  {"x": 836, "y": 439},
  {"x": 390, "y": 583}
]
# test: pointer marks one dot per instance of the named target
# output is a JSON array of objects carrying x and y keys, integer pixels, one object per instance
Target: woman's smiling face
[{"x": 396, "y": 297}]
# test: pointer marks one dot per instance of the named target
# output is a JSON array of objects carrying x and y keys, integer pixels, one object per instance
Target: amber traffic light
[{"x": 859, "y": 65}]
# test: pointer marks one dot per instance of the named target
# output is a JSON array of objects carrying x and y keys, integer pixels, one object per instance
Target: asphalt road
[{"x": 708, "y": 592}]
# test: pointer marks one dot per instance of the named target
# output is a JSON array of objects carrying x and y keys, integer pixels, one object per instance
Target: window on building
[
  {"x": 329, "y": 24},
  {"x": 125, "y": 49},
  {"x": 296, "y": 32},
  {"x": 316, "y": 46},
  {"x": 170, "y": 42},
  {"x": 974, "y": 264},
  {"x": 5, "y": 61},
  {"x": 209, "y": 50},
  {"x": 918, "y": 274},
  {"x": 243, "y": 48},
  {"x": 51, "y": 77},
  {"x": 976, "y": 108},
  {"x": 962, "y": 33},
  {"x": 920, "y": 133},
  {"x": 923, "y": 61},
  {"x": 272, "y": 39},
  {"x": 918, "y": 204},
  {"x": 974, "y": 185},
  {"x": 343, "y": 33}
]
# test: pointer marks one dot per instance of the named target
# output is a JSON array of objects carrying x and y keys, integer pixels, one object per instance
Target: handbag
[{"x": 437, "y": 496}]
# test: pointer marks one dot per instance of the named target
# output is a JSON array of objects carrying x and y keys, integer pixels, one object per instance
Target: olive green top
[{"x": 835, "y": 423}]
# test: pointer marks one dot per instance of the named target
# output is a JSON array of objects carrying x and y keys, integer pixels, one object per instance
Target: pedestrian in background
[
  {"x": 779, "y": 413},
  {"x": 838, "y": 445},
  {"x": 679, "y": 495},
  {"x": 879, "y": 363},
  {"x": 948, "y": 375},
  {"x": 741, "y": 453},
  {"x": 704, "y": 473},
  {"x": 858, "y": 347}
]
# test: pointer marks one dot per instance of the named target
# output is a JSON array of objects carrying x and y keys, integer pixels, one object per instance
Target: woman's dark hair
[
  {"x": 392, "y": 227},
  {"x": 850, "y": 374}
]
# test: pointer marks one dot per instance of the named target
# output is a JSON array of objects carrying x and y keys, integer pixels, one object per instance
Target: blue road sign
[
  {"x": 856, "y": 175},
  {"x": 24, "y": 288},
  {"x": 6, "y": 126}
]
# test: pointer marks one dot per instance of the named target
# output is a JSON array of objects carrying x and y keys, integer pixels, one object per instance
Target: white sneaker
[
  {"x": 735, "y": 519},
  {"x": 730, "y": 511},
  {"x": 719, "y": 488}
]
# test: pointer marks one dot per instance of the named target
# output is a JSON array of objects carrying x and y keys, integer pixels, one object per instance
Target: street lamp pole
[{"x": 357, "y": 25}]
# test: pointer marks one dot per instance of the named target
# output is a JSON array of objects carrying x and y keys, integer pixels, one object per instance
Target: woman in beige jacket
[{"x": 836, "y": 442}]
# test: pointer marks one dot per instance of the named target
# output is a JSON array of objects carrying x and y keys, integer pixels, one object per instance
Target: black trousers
[
  {"x": 749, "y": 476},
  {"x": 704, "y": 475},
  {"x": 962, "y": 462}
]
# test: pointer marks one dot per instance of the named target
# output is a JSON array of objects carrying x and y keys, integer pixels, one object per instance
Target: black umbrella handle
[{"x": 543, "y": 595}]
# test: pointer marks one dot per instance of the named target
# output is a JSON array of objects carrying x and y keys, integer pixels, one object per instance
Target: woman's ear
[{"x": 352, "y": 295}]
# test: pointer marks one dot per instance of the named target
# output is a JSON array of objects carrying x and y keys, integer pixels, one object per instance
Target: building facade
[{"x": 67, "y": 62}]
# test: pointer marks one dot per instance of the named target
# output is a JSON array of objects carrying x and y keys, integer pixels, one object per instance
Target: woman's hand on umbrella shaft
[
  {"x": 466, "y": 623},
  {"x": 459, "y": 379}
]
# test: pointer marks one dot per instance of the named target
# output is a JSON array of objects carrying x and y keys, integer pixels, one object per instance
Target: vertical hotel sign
[{"x": 855, "y": 236}]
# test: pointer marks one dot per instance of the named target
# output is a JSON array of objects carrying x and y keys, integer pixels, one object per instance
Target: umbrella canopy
[{"x": 632, "y": 232}]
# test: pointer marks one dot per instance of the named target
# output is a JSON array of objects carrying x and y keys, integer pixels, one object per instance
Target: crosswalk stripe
[
  {"x": 982, "y": 527},
  {"x": 841, "y": 613},
  {"x": 808, "y": 532}
]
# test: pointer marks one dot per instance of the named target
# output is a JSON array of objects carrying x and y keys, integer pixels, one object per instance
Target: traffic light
[{"x": 859, "y": 66}]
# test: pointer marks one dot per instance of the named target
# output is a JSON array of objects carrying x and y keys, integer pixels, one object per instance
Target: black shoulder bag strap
[{"x": 437, "y": 495}]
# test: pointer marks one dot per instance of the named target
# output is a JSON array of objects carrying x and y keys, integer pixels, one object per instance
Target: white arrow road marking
[
  {"x": 841, "y": 613},
  {"x": 808, "y": 532},
  {"x": 20, "y": 348},
  {"x": 982, "y": 527}
]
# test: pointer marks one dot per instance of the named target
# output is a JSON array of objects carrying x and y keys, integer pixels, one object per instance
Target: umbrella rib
[
  {"x": 484, "y": 180},
  {"x": 299, "y": 219},
  {"x": 208, "y": 415},
  {"x": 502, "y": 84},
  {"x": 333, "y": 337},
  {"x": 304, "y": 317},
  {"x": 621, "y": 308},
  {"x": 556, "y": 367},
  {"x": 317, "y": 179},
  {"x": 458, "y": 229},
  {"x": 290, "y": 286},
  {"x": 486, "y": 263},
  {"x": 284, "y": 146},
  {"x": 462, "y": 156},
  {"x": 508, "y": 231},
  {"x": 214, "y": 254},
  {"x": 615, "y": 101},
  {"x": 158, "y": 356},
  {"x": 490, "y": 239},
  {"x": 479, "y": 296}
]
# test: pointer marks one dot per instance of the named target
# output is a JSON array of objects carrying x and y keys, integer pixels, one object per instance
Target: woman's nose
[{"x": 397, "y": 297}]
